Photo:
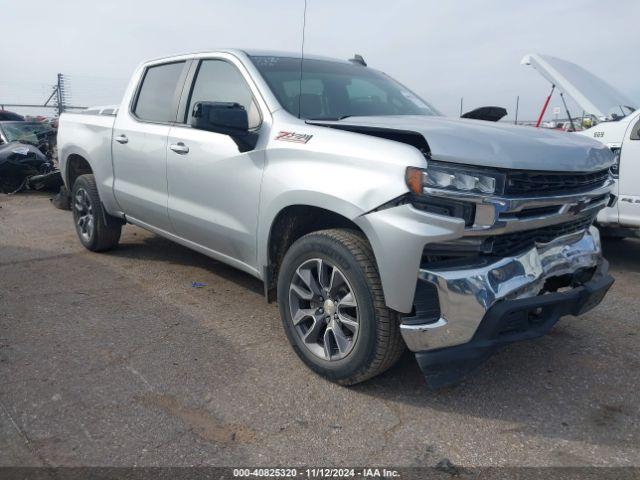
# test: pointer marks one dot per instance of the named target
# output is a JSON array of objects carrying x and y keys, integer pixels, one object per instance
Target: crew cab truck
[{"x": 374, "y": 221}]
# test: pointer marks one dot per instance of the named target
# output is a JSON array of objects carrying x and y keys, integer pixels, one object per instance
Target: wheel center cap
[{"x": 329, "y": 307}]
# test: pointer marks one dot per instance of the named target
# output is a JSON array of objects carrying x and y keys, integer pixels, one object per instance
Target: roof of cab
[
  {"x": 276, "y": 53},
  {"x": 250, "y": 53}
]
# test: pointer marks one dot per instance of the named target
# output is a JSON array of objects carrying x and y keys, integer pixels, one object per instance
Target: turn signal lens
[{"x": 413, "y": 177}]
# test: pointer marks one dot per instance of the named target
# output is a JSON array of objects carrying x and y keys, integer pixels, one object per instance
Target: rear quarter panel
[{"x": 89, "y": 136}]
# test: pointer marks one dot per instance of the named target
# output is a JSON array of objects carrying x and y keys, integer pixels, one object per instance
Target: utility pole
[
  {"x": 60, "y": 94},
  {"x": 515, "y": 122},
  {"x": 461, "y": 100},
  {"x": 58, "y": 99}
]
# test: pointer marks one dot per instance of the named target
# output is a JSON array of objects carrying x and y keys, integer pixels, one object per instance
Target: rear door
[
  {"x": 140, "y": 144},
  {"x": 214, "y": 188},
  {"x": 629, "y": 181}
]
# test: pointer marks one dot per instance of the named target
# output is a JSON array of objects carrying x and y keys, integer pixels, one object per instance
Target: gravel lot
[{"x": 114, "y": 359}]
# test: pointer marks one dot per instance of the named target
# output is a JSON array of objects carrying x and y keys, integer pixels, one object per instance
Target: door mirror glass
[{"x": 227, "y": 118}]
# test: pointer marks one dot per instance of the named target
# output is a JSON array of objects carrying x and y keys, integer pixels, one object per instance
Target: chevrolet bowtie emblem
[{"x": 578, "y": 207}]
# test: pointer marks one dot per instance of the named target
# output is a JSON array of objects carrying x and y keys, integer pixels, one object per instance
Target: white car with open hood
[{"x": 616, "y": 122}]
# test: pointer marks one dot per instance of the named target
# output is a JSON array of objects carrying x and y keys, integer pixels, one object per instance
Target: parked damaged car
[
  {"x": 374, "y": 222},
  {"x": 28, "y": 158},
  {"x": 6, "y": 115}
]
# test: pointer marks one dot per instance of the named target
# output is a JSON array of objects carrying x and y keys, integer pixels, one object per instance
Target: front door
[{"x": 214, "y": 188}]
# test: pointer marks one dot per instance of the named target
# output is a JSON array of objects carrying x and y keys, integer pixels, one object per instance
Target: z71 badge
[{"x": 293, "y": 137}]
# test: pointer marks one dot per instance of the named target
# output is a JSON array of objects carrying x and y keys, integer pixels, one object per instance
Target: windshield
[
  {"x": 26, "y": 132},
  {"x": 329, "y": 90}
]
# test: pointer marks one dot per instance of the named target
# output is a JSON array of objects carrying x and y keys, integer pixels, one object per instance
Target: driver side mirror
[{"x": 227, "y": 118}]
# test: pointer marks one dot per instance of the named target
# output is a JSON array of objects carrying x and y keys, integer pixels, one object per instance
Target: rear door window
[{"x": 157, "y": 95}]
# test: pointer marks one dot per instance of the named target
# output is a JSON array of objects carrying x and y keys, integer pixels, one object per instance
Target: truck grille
[
  {"x": 536, "y": 183},
  {"x": 511, "y": 243},
  {"x": 503, "y": 245}
]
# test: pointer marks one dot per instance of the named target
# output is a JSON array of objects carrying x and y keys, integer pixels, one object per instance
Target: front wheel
[
  {"x": 96, "y": 229},
  {"x": 333, "y": 308}
]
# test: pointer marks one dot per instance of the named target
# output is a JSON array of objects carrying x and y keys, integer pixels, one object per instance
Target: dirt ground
[{"x": 115, "y": 359}]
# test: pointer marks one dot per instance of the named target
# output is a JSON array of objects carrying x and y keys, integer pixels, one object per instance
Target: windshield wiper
[{"x": 329, "y": 119}]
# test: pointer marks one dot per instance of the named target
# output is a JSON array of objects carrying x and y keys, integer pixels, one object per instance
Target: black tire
[
  {"x": 103, "y": 231},
  {"x": 378, "y": 344}
]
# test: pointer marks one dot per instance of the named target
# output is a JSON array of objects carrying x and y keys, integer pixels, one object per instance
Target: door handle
[
  {"x": 180, "y": 148},
  {"x": 121, "y": 139}
]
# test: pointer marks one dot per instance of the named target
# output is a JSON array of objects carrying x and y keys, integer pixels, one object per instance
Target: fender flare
[{"x": 297, "y": 198}]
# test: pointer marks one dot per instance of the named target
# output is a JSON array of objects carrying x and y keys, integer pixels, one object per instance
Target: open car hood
[{"x": 592, "y": 94}]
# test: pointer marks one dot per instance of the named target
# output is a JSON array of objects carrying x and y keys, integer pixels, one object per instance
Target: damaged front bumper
[{"x": 495, "y": 302}]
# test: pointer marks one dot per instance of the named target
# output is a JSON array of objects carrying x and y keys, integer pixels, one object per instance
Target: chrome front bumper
[{"x": 467, "y": 293}]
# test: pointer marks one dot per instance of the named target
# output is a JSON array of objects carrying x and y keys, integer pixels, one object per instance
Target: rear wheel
[
  {"x": 333, "y": 308},
  {"x": 96, "y": 229}
]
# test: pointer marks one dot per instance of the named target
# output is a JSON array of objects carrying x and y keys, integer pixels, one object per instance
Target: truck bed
[{"x": 88, "y": 135}]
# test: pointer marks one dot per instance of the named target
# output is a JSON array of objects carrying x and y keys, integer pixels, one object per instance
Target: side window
[
  {"x": 156, "y": 95},
  {"x": 219, "y": 81},
  {"x": 635, "y": 132}
]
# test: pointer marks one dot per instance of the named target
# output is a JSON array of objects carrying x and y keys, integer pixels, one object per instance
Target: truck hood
[
  {"x": 489, "y": 144},
  {"x": 591, "y": 93}
]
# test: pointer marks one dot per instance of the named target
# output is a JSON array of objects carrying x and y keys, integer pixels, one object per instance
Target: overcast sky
[{"x": 442, "y": 50}]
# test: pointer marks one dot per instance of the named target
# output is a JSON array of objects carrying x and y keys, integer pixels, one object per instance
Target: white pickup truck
[
  {"x": 616, "y": 123},
  {"x": 376, "y": 222}
]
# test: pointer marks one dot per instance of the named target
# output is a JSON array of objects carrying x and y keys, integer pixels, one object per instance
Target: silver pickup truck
[{"x": 374, "y": 221}]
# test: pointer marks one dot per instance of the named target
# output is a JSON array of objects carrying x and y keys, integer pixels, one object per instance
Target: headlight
[
  {"x": 615, "y": 168},
  {"x": 453, "y": 177}
]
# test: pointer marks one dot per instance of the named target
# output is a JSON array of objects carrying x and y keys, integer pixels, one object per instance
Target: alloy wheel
[
  {"x": 324, "y": 309},
  {"x": 83, "y": 214}
]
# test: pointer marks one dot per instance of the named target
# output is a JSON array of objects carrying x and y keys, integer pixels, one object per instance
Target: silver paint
[{"x": 223, "y": 203}]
